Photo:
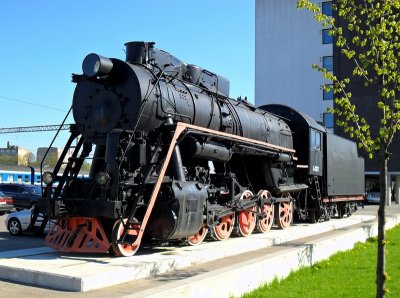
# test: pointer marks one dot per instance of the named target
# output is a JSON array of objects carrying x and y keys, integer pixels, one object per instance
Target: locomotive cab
[
  {"x": 327, "y": 163},
  {"x": 308, "y": 137}
]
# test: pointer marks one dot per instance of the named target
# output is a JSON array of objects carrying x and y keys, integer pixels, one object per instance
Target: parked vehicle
[
  {"x": 19, "y": 221},
  {"x": 6, "y": 203},
  {"x": 23, "y": 195},
  {"x": 374, "y": 195}
]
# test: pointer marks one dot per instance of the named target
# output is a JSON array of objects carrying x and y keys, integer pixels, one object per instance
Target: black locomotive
[{"x": 173, "y": 157}]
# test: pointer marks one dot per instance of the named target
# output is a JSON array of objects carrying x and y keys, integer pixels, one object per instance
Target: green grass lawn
[{"x": 345, "y": 274}]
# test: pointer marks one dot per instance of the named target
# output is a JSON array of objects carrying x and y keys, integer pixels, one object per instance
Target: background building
[
  {"x": 288, "y": 42},
  {"x": 366, "y": 98},
  {"x": 14, "y": 155},
  {"x": 52, "y": 156}
]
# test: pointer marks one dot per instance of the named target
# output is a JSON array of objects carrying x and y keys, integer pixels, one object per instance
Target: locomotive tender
[{"x": 174, "y": 158}]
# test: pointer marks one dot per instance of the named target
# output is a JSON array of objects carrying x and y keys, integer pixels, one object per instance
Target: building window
[
  {"x": 327, "y": 63},
  {"x": 328, "y": 120},
  {"x": 326, "y": 37},
  {"x": 327, "y": 95},
  {"x": 327, "y": 8}
]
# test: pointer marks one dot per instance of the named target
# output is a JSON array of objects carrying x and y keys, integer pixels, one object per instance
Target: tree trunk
[{"x": 381, "y": 260}]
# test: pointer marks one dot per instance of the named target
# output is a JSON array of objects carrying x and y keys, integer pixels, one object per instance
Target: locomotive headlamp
[
  {"x": 102, "y": 178},
  {"x": 48, "y": 178},
  {"x": 96, "y": 66}
]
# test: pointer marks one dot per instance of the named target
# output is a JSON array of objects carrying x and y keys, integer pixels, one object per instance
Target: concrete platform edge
[
  {"x": 249, "y": 275},
  {"x": 122, "y": 271},
  {"x": 37, "y": 278}
]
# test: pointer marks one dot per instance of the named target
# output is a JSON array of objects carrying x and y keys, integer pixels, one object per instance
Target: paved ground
[{"x": 8, "y": 242}]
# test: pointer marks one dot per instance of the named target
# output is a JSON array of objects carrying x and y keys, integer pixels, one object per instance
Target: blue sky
[{"x": 44, "y": 41}]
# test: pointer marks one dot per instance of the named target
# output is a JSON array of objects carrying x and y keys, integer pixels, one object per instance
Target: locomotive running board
[
  {"x": 235, "y": 137},
  {"x": 180, "y": 128},
  {"x": 336, "y": 199}
]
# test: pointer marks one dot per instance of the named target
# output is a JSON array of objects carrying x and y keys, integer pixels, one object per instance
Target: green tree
[
  {"x": 34, "y": 164},
  {"x": 51, "y": 158},
  {"x": 373, "y": 49},
  {"x": 8, "y": 159},
  {"x": 85, "y": 166}
]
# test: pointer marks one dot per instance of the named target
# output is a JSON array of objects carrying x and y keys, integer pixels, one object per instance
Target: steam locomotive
[{"x": 174, "y": 158}]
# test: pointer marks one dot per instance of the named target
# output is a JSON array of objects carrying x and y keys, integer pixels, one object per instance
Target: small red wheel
[
  {"x": 225, "y": 227},
  {"x": 123, "y": 249},
  {"x": 265, "y": 222},
  {"x": 197, "y": 238},
  {"x": 284, "y": 214},
  {"x": 246, "y": 218}
]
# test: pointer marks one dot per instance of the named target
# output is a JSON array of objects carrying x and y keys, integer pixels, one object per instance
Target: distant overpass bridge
[{"x": 35, "y": 128}]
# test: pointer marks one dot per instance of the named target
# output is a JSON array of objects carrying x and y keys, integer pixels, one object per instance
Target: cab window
[{"x": 316, "y": 140}]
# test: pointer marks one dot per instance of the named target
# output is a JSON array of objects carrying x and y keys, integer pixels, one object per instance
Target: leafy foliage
[
  {"x": 374, "y": 51},
  {"x": 373, "y": 48},
  {"x": 8, "y": 159},
  {"x": 15, "y": 159}
]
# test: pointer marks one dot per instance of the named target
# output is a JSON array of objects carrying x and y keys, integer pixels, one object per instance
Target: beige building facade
[{"x": 14, "y": 155}]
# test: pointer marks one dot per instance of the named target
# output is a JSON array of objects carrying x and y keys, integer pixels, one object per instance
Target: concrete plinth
[{"x": 252, "y": 261}]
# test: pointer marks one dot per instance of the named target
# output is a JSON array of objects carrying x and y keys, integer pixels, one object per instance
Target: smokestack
[{"x": 137, "y": 51}]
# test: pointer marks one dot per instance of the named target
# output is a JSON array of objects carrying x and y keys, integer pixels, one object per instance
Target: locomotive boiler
[{"x": 174, "y": 158}]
